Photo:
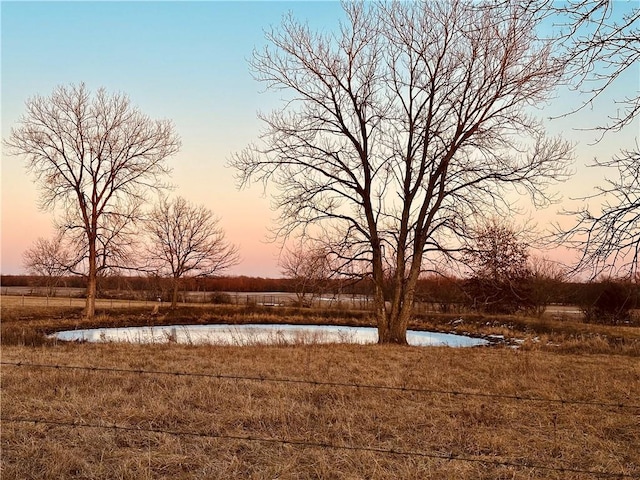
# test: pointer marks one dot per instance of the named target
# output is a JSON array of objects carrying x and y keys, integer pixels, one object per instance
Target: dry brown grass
[
  {"x": 548, "y": 434},
  {"x": 569, "y": 335}
]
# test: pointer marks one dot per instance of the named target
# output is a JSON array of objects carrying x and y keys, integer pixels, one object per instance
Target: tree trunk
[
  {"x": 392, "y": 322},
  {"x": 174, "y": 295},
  {"x": 92, "y": 282},
  {"x": 393, "y": 329},
  {"x": 380, "y": 308},
  {"x": 393, "y": 318}
]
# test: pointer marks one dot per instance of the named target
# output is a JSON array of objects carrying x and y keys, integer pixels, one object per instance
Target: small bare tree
[
  {"x": 49, "y": 259},
  {"x": 309, "y": 268},
  {"x": 401, "y": 127},
  {"x": 547, "y": 280},
  {"x": 187, "y": 239},
  {"x": 95, "y": 157},
  {"x": 498, "y": 251},
  {"x": 498, "y": 256}
]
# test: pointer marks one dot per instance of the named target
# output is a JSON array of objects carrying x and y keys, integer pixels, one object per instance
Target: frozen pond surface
[{"x": 258, "y": 335}]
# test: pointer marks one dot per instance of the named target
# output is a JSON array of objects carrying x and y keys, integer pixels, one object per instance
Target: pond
[{"x": 258, "y": 335}]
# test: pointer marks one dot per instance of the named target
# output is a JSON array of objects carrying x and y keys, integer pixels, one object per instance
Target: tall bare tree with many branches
[
  {"x": 187, "y": 239},
  {"x": 94, "y": 157},
  {"x": 399, "y": 128}
]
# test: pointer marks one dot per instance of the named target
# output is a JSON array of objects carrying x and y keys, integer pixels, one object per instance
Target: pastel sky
[{"x": 187, "y": 61}]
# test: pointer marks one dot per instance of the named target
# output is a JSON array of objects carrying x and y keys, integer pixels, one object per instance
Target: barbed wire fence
[
  {"x": 408, "y": 389},
  {"x": 304, "y": 443},
  {"x": 326, "y": 445},
  {"x": 240, "y": 299}
]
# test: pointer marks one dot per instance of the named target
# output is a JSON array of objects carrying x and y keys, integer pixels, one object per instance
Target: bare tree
[
  {"x": 399, "y": 128},
  {"x": 603, "y": 45},
  {"x": 498, "y": 256},
  {"x": 547, "y": 280},
  {"x": 49, "y": 259},
  {"x": 309, "y": 268},
  {"x": 95, "y": 157},
  {"x": 609, "y": 236},
  {"x": 498, "y": 251},
  {"x": 187, "y": 239}
]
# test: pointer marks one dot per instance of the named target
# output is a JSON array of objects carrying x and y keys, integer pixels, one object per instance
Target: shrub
[
  {"x": 609, "y": 301},
  {"x": 220, "y": 298}
]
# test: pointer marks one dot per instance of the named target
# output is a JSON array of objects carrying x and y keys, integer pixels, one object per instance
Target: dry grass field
[{"x": 564, "y": 407}]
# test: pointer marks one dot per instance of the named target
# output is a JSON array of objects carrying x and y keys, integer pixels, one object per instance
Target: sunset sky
[{"x": 187, "y": 61}]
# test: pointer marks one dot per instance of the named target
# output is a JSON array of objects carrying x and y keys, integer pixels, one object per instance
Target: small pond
[{"x": 258, "y": 335}]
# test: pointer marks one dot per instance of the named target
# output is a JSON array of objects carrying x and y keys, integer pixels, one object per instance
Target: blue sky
[{"x": 186, "y": 61}]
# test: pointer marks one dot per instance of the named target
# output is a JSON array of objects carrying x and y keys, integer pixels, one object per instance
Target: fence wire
[
  {"x": 407, "y": 389},
  {"x": 325, "y": 445},
  {"x": 443, "y": 456}
]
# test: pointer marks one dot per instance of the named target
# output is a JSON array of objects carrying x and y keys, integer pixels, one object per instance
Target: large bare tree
[
  {"x": 187, "y": 239},
  {"x": 400, "y": 127},
  {"x": 94, "y": 157}
]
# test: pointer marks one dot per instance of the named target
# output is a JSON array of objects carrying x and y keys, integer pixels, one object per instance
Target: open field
[
  {"x": 30, "y": 296},
  {"x": 174, "y": 411},
  {"x": 29, "y": 301}
]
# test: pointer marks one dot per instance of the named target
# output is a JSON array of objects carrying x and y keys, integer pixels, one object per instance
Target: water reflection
[{"x": 257, "y": 335}]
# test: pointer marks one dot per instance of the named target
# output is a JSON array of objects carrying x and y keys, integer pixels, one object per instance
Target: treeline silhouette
[
  {"x": 142, "y": 283},
  {"x": 194, "y": 284},
  {"x": 604, "y": 301}
]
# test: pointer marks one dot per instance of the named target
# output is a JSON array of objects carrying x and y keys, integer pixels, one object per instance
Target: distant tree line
[
  {"x": 206, "y": 284},
  {"x": 605, "y": 300}
]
